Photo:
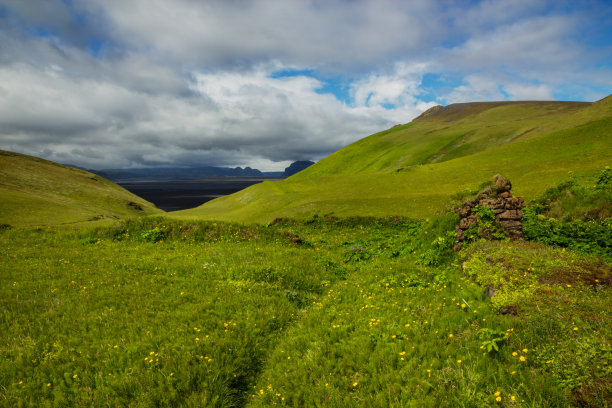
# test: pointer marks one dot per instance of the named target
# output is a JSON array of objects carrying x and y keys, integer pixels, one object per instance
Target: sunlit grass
[{"x": 157, "y": 312}]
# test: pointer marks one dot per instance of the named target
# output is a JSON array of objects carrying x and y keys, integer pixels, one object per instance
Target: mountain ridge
[{"x": 414, "y": 169}]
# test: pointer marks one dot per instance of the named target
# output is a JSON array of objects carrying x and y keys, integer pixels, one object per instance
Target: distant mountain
[
  {"x": 296, "y": 167},
  {"x": 180, "y": 173}
]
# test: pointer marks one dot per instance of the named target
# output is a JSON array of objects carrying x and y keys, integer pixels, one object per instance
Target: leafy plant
[
  {"x": 153, "y": 235},
  {"x": 356, "y": 253},
  {"x": 604, "y": 180},
  {"x": 492, "y": 339}
]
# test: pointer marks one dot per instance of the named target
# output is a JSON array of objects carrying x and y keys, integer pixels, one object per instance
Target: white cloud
[
  {"x": 529, "y": 92},
  {"x": 230, "y": 118},
  {"x": 188, "y": 82},
  {"x": 476, "y": 89},
  {"x": 333, "y": 34}
]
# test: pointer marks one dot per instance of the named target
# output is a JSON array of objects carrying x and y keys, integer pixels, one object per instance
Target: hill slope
[
  {"x": 34, "y": 191},
  {"x": 414, "y": 169}
]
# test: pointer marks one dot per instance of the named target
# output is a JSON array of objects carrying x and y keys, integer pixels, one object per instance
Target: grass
[
  {"x": 38, "y": 192},
  {"x": 413, "y": 170},
  {"x": 353, "y": 299},
  {"x": 327, "y": 311}
]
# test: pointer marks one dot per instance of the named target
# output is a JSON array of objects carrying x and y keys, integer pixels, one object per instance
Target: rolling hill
[
  {"x": 414, "y": 169},
  {"x": 34, "y": 191}
]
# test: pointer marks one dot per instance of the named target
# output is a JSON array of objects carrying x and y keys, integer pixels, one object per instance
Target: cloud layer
[{"x": 116, "y": 83}]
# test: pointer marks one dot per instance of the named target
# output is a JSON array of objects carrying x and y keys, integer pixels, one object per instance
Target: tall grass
[{"x": 322, "y": 312}]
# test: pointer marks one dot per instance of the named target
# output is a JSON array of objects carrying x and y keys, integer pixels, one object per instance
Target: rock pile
[{"x": 508, "y": 212}]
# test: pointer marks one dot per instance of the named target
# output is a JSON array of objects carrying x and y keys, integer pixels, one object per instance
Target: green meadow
[
  {"x": 414, "y": 170},
  {"x": 337, "y": 287}
]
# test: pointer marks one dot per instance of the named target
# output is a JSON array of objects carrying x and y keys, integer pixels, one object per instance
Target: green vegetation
[
  {"x": 345, "y": 312},
  {"x": 34, "y": 191},
  {"x": 371, "y": 309},
  {"x": 414, "y": 170}
]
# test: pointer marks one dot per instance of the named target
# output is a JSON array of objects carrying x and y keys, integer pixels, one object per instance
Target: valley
[{"x": 338, "y": 286}]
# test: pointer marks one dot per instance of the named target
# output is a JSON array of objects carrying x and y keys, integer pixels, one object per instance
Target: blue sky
[{"x": 120, "y": 83}]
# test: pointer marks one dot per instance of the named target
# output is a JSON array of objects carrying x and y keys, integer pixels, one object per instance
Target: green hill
[
  {"x": 325, "y": 311},
  {"x": 34, "y": 191},
  {"x": 414, "y": 169}
]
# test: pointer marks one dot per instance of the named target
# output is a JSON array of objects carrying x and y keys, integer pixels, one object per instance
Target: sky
[{"x": 262, "y": 83}]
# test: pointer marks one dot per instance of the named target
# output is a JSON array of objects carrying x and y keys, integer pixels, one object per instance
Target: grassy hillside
[
  {"x": 414, "y": 169},
  {"x": 323, "y": 311},
  {"x": 34, "y": 191}
]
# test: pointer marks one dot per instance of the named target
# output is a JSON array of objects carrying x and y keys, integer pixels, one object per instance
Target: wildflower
[
  {"x": 512, "y": 373},
  {"x": 355, "y": 384},
  {"x": 498, "y": 399},
  {"x": 458, "y": 361},
  {"x": 575, "y": 328},
  {"x": 525, "y": 350},
  {"x": 513, "y": 398},
  {"x": 450, "y": 336},
  {"x": 522, "y": 358},
  {"x": 497, "y": 394},
  {"x": 514, "y": 353}
]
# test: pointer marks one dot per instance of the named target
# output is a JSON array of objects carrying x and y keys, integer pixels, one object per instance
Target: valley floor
[{"x": 323, "y": 312}]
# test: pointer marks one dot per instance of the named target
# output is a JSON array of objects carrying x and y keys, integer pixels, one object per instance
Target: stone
[
  {"x": 516, "y": 235},
  {"x": 514, "y": 203},
  {"x": 511, "y": 310},
  {"x": 511, "y": 215},
  {"x": 501, "y": 183},
  {"x": 465, "y": 223},
  {"x": 465, "y": 211},
  {"x": 459, "y": 233},
  {"x": 511, "y": 224},
  {"x": 507, "y": 210}
]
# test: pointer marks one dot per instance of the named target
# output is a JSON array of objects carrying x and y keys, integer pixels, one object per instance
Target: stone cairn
[{"x": 508, "y": 212}]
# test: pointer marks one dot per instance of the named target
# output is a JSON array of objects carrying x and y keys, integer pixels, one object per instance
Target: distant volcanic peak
[{"x": 296, "y": 167}]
